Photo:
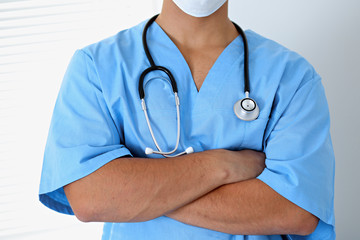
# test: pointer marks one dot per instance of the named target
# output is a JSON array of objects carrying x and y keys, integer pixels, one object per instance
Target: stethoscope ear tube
[
  {"x": 165, "y": 154},
  {"x": 153, "y": 67},
  {"x": 245, "y": 109}
]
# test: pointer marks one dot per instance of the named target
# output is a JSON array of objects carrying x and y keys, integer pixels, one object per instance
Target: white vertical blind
[{"x": 37, "y": 39}]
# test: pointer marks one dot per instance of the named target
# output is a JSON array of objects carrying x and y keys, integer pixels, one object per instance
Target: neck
[{"x": 215, "y": 30}]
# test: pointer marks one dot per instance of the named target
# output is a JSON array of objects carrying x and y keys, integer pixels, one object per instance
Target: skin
[
  {"x": 200, "y": 40},
  {"x": 215, "y": 189},
  {"x": 138, "y": 189}
]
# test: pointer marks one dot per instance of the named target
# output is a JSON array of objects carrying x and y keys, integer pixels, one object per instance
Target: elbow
[
  {"x": 80, "y": 204},
  {"x": 83, "y": 214},
  {"x": 308, "y": 225},
  {"x": 303, "y": 223},
  {"x": 89, "y": 213},
  {"x": 93, "y": 213},
  {"x": 88, "y": 208},
  {"x": 84, "y": 209}
]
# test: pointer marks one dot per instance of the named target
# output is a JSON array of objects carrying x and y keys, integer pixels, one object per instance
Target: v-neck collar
[{"x": 176, "y": 63}]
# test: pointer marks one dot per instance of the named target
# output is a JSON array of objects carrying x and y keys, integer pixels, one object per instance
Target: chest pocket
[
  {"x": 217, "y": 129},
  {"x": 232, "y": 91}
]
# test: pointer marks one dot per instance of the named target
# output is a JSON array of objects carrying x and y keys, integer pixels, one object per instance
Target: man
[{"x": 95, "y": 166}]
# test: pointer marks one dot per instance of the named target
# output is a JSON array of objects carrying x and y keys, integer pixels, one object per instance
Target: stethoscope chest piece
[{"x": 246, "y": 109}]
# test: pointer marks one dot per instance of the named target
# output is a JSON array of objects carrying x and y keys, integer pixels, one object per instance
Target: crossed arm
[{"x": 214, "y": 189}]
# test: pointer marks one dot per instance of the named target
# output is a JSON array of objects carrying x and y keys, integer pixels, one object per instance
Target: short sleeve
[
  {"x": 299, "y": 156},
  {"x": 82, "y": 137}
]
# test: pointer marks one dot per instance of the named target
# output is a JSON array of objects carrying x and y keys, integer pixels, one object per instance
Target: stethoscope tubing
[
  {"x": 238, "y": 28},
  {"x": 156, "y": 68},
  {"x": 166, "y": 154},
  {"x": 243, "y": 115},
  {"x": 144, "y": 41},
  {"x": 246, "y": 58}
]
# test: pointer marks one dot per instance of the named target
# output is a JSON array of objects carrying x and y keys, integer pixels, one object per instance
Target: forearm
[
  {"x": 246, "y": 208},
  {"x": 135, "y": 189}
]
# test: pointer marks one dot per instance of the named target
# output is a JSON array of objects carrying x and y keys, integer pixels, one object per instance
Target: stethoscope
[{"x": 246, "y": 109}]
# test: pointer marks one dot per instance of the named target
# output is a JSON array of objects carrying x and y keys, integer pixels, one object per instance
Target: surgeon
[{"x": 211, "y": 158}]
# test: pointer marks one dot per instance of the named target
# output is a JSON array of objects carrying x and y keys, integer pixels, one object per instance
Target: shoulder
[
  {"x": 119, "y": 45},
  {"x": 261, "y": 44},
  {"x": 109, "y": 58},
  {"x": 106, "y": 62},
  {"x": 279, "y": 72},
  {"x": 273, "y": 56}
]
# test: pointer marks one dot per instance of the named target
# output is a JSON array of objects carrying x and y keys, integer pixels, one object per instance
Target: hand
[{"x": 241, "y": 165}]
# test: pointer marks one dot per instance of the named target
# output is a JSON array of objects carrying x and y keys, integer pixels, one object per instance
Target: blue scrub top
[{"x": 98, "y": 117}]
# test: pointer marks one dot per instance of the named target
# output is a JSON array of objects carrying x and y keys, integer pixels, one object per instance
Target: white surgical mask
[{"x": 199, "y": 8}]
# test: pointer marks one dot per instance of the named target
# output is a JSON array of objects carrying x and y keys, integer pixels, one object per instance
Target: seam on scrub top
[
  {"x": 312, "y": 80},
  {"x": 223, "y": 111},
  {"x": 223, "y": 82},
  {"x": 106, "y": 112},
  {"x": 231, "y": 111},
  {"x": 276, "y": 115}
]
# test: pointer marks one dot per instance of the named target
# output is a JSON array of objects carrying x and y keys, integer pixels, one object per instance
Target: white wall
[
  {"x": 327, "y": 33},
  {"x": 37, "y": 39}
]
